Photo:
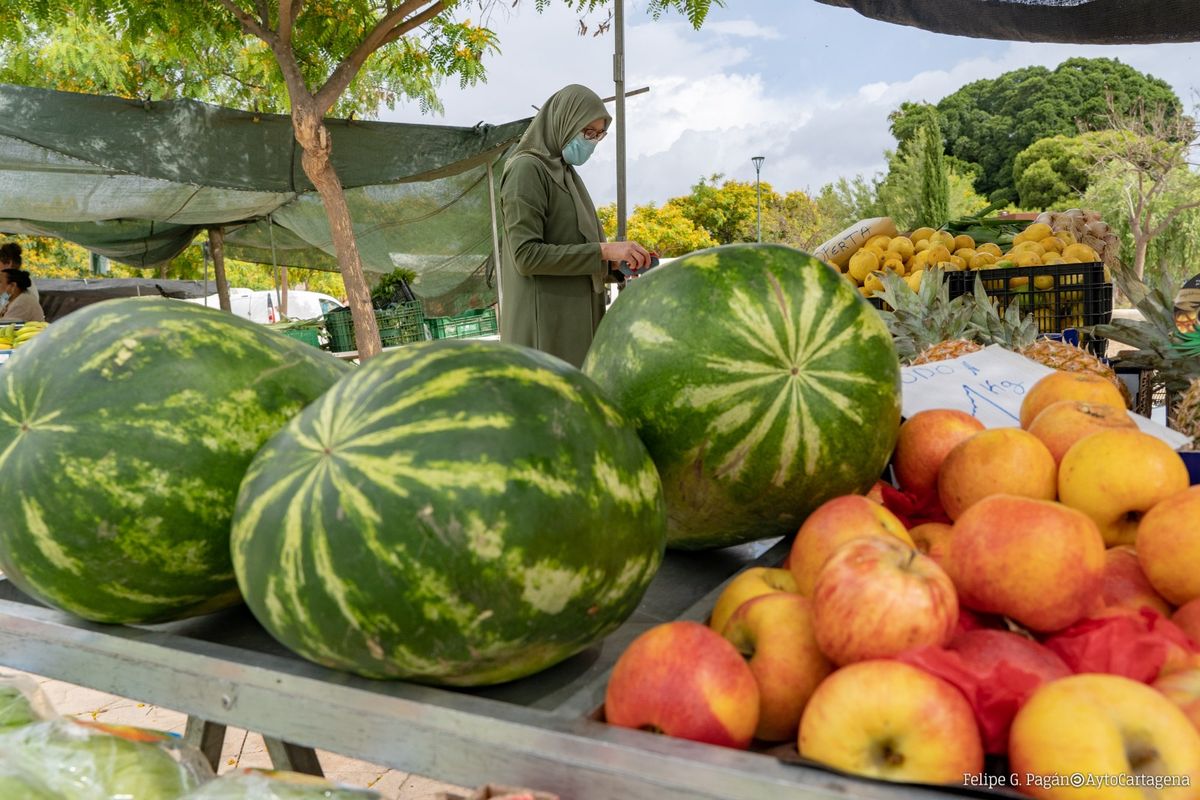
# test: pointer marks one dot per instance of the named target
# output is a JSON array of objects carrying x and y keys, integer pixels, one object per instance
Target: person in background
[
  {"x": 555, "y": 260},
  {"x": 10, "y": 258},
  {"x": 22, "y": 306}
]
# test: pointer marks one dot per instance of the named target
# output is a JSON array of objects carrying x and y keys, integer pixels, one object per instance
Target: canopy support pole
[
  {"x": 274, "y": 262},
  {"x": 283, "y": 291},
  {"x": 216, "y": 245},
  {"x": 495, "y": 242},
  {"x": 619, "y": 83}
]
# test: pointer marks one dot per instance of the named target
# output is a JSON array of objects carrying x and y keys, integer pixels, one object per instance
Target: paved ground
[{"x": 242, "y": 749}]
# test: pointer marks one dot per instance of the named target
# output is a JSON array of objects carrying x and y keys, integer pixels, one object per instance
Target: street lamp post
[{"x": 758, "y": 162}]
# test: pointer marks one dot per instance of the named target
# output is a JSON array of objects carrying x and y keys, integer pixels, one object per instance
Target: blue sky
[{"x": 806, "y": 85}]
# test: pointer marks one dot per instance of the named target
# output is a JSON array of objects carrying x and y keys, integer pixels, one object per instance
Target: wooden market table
[{"x": 224, "y": 669}]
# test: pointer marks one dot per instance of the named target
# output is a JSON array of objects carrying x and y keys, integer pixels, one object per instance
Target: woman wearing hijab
[{"x": 555, "y": 260}]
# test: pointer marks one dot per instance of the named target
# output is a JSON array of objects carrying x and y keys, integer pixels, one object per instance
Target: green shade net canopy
[
  {"x": 137, "y": 181},
  {"x": 1070, "y": 21}
]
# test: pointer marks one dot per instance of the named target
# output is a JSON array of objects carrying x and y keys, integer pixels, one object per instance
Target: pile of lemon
[{"x": 909, "y": 256}]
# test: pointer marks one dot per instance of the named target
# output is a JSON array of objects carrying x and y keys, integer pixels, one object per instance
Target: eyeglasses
[{"x": 594, "y": 136}]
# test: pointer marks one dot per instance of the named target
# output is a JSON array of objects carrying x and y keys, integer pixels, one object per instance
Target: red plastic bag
[
  {"x": 912, "y": 508},
  {"x": 996, "y": 671},
  {"x": 1135, "y": 644}
]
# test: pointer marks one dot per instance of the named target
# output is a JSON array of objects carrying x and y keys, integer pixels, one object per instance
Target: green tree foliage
[
  {"x": 934, "y": 206},
  {"x": 729, "y": 211},
  {"x": 988, "y": 122},
  {"x": 902, "y": 189},
  {"x": 1054, "y": 172},
  {"x": 666, "y": 230},
  {"x": 846, "y": 201},
  {"x": 794, "y": 219}
]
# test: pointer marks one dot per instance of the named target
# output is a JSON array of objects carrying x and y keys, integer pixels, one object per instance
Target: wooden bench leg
[
  {"x": 207, "y": 737},
  {"x": 293, "y": 757}
]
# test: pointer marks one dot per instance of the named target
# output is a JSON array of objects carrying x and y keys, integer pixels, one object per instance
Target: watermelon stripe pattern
[
  {"x": 125, "y": 430},
  {"x": 459, "y": 513},
  {"x": 760, "y": 381}
]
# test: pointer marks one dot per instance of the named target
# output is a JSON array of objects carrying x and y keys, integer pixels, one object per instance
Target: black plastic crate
[{"x": 1059, "y": 296}]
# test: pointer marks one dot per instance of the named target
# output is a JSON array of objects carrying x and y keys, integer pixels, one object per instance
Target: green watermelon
[
  {"x": 761, "y": 382},
  {"x": 459, "y": 513},
  {"x": 125, "y": 429}
]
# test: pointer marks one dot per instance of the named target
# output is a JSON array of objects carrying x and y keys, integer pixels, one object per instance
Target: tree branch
[
  {"x": 1171, "y": 215},
  {"x": 391, "y": 27},
  {"x": 249, "y": 23},
  {"x": 264, "y": 13},
  {"x": 289, "y": 11}
]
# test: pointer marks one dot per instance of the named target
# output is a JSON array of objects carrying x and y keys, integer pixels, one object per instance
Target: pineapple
[
  {"x": 1187, "y": 415},
  {"x": 928, "y": 326},
  {"x": 1173, "y": 368}
]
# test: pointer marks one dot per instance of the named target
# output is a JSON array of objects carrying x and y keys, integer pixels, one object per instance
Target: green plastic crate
[
  {"x": 306, "y": 335},
  {"x": 402, "y": 324},
  {"x": 476, "y": 322}
]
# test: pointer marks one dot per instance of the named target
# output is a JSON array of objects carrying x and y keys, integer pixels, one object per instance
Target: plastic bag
[
  {"x": 914, "y": 508},
  {"x": 18, "y": 783},
  {"x": 253, "y": 784},
  {"x": 90, "y": 761},
  {"x": 997, "y": 671},
  {"x": 21, "y": 703},
  {"x": 1136, "y": 644}
]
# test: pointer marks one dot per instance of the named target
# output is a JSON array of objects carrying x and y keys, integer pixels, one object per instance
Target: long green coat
[{"x": 551, "y": 272}]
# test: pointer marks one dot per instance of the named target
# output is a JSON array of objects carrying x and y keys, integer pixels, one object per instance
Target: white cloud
[{"x": 745, "y": 28}]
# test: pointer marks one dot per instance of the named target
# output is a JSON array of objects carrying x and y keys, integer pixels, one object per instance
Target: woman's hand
[{"x": 632, "y": 253}]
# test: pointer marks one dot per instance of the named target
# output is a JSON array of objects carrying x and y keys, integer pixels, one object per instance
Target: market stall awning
[
  {"x": 137, "y": 181},
  {"x": 1070, "y": 21}
]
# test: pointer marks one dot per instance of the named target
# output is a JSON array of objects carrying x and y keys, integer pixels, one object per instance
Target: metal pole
[
  {"x": 495, "y": 242},
  {"x": 758, "y": 161},
  {"x": 619, "y": 81}
]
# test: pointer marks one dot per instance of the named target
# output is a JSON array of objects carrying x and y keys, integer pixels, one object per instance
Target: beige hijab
[{"x": 566, "y": 113}]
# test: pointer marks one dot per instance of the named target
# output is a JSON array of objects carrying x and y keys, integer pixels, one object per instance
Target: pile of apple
[{"x": 1054, "y": 620}]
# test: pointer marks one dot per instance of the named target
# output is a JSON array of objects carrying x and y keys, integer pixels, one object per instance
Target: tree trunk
[
  {"x": 283, "y": 290},
  {"x": 162, "y": 271},
  {"x": 313, "y": 137},
  {"x": 1140, "y": 246},
  {"x": 216, "y": 246}
]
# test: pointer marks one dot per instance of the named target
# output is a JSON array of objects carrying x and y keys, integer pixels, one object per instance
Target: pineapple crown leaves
[
  {"x": 922, "y": 318},
  {"x": 1012, "y": 329},
  {"x": 1153, "y": 336}
]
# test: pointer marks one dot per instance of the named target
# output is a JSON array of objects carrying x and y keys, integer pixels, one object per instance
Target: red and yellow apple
[
  {"x": 885, "y": 719},
  {"x": 1036, "y": 562},
  {"x": 996, "y": 461},
  {"x": 1187, "y": 617},
  {"x": 1115, "y": 477},
  {"x": 1103, "y": 725},
  {"x": 1059, "y": 386},
  {"x": 684, "y": 679},
  {"x": 832, "y": 524},
  {"x": 1066, "y": 422},
  {"x": 751, "y": 583},
  {"x": 1183, "y": 689},
  {"x": 1168, "y": 544},
  {"x": 924, "y": 440},
  {"x": 774, "y": 633},
  {"x": 877, "y": 597},
  {"x": 932, "y": 539},
  {"x": 1126, "y": 585}
]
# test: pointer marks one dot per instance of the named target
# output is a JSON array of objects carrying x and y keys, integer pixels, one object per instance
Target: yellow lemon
[
  {"x": 914, "y": 280},
  {"x": 1071, "y": 260},
  {"x": 863, "y": 263},
  {"x": 944, "y": 238},
  {"x": 1065, "y": 236},
  {"x": 873, "y": 283},
  {"x": 1036, "y": 232},
  {"x": 893, "y": 265},
  {"x": 1043, "y": 282},
  {"x": 901, "y": 246},
  {"x": 1052, "y": 243},
  {"x": 1052, "y": 258},
  {"x": 965, "y": 253},
  {"x": 879, "y": 241},
  {"x": 1027, "y": 258},
  {"x": 963, "y": 242},
  {"x": 959, "y": 263},
  {"x": 990, "y": 247},
  {"x": 921, "y": 244},
  {"x": 1018, "y": 283},
  {"x": 921, "y": 233},
  {"x": 937, "y": 255},
  {"x": 919, "y": 261},
  {"x": 1085, "y": 254},
  {"x": 981, "y": 261},
  {"x": 1027, "y": 245}
]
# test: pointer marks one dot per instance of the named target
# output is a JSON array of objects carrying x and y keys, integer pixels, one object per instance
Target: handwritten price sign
[{"x": 989, "y": 385}]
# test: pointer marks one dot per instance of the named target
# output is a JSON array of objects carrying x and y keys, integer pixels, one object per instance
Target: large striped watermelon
[
  {"x": 125, "y": 430},
  {"x": 459, "y": 512},
  {"x": 760, "y": 381}
]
